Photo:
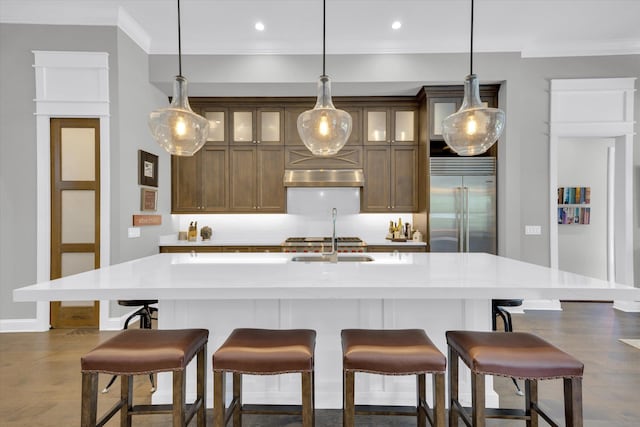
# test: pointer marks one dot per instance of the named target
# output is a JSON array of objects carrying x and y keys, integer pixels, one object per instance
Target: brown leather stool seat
[
  {"x": 517, "y": 355},
  {"x": 146, "y": 351},
  {"x": 393, "y": 352},
  {"x": 263, "y": 352}
]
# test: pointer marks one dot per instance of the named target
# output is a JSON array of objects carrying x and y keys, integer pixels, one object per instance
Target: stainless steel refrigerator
[{"x": 462, "y": 209}]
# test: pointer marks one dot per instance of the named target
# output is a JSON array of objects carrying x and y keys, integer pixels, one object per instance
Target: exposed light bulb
[
  {"x": 259, "y": 26},
  {"x": 396, "y": 25},
  {"x": 472, "y": 126},
  {"x": 323, "y": 126},
  {"x": 180, "y": 127}
]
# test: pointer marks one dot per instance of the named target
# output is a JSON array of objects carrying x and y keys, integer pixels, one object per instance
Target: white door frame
[
  {"x": 69, "y": 84},
  {"x": 597, "y": 108}
]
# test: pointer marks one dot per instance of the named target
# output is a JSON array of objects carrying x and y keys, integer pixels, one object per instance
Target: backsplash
[{"x": 309, "y": 215}]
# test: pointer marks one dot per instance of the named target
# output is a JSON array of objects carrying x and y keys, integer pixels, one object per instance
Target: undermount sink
[{"x": 327, "y": 258}]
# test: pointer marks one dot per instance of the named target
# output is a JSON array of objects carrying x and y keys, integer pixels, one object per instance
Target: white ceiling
[{"x": 532, "y": 27}]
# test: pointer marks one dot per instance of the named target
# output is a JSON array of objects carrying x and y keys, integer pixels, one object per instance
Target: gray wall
[{"x": 131, "y": 99}]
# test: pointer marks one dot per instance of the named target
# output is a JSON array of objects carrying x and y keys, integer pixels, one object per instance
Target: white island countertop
[{"x": 220, "y": 276}]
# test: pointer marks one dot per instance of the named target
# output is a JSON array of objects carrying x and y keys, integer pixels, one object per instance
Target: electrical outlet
[
  {"x": 532, "y": 230},
  {"x": 133, "y": 232}
]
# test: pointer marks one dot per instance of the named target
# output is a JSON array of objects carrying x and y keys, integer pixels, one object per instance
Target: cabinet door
[
  {"x": 376, "y": 126},
  {"x": 242, "y": 185},
  {"x": 185, "y": 183},
  {"x": 270, "y": 173},
  {"x": 376, "y": 191},
  {"x": 440, "y": 109},
  {"x": 242, "y": 127},
  {"x": 404, "y": 179},
  {"x": 404, "y": 125},
  {"x": 215, "y": 178},
  {"x": 270, "y": 125},
  {"x": 218, "y": 132}
]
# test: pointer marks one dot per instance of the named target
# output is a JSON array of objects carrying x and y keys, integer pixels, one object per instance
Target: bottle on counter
[{"x": 193, "y": 232}]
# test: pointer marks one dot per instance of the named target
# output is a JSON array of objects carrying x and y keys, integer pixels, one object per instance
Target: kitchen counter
[
  {"x": 275, "y": 276},
  {"x": 171, "y": 240},
  {"x": 223, "y": 291}
]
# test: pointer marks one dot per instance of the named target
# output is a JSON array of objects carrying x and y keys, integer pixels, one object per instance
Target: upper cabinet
[
  {"x": 218, "y": 128},
  {"x": 257, "y": 126},
  {"x": 391, "y": 125},
  {"x": 443, "y": 101},
  {"x": 199, "y": 183}
]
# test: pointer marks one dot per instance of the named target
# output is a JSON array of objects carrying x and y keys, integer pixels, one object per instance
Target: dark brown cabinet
[
  {"x": 199, "y": 183},
  {"x": 391, "y": 179},
  {"x": 262, "y": 125},
  {"x": 255, "y": 183},
  {"x": 390, "y": 125}
]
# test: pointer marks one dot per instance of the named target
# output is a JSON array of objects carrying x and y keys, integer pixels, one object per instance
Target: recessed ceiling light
[
  {"x": 396, "y": 25},
  {"x": 259, "y": 26}
]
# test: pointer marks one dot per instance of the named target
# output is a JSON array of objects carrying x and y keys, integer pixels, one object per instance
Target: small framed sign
[
  {"x": 148, "y": 199},
  {"x": 147, "y": 169}
]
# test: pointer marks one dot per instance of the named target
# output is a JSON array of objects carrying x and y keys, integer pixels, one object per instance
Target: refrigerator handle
[
  {"x": 460, "y": 218},
  {"x": 466, "y": 214}
]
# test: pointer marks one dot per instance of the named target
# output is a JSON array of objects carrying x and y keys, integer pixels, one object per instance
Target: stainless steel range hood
[{"x": 323, "y": 178}]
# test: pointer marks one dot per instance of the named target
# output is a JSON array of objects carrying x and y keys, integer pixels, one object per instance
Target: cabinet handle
[{"x": 258, "y": 141}]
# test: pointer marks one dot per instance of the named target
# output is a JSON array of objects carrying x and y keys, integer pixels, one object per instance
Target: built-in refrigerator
[{"x": 462, "y": 208}]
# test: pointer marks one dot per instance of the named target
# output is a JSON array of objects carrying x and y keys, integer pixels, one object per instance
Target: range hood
[{"x": 323, "y": 178}]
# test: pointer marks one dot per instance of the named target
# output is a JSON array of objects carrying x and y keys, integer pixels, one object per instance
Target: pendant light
[
  {"x": 177, "y": 128},
  {"x": 325, "y": 129},
  {"x": 474, "y": 128}
]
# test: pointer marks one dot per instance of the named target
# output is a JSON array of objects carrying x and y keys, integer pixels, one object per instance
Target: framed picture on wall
[
  {"x": 147, "y": 169},
  {"x": 148, "y": 199}
]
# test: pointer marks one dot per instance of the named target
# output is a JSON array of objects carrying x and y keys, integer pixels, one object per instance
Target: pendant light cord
[
  {"x": 324, "y": 29},
  {"x": 179, "y": 44},
  {"x": 471, "y": 50}
]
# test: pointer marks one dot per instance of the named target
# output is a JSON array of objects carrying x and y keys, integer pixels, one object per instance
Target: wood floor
[{"x": 40, "y": 374}]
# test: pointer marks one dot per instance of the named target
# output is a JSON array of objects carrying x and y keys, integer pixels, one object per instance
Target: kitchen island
[{"x": 223, "y": 291}]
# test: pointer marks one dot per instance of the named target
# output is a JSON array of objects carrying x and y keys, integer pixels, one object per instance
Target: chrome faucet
[{"x": 333, "y": 255}]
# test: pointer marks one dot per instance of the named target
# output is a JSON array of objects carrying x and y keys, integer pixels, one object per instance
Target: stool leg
[
  {"x": 89, "y": 410},
  {"x": 573, "y": 402},
  {"x": 307, "y": 400},
  {"x": 201, "y": 386},
  {"x": 477, "y": 400},
  {"x": 179, "y": 391},
  {"x": 237, "y": 400},
  {"x": 438, "y": 399},
  {"x": 219, "y": 406},
  {"x": 453, "y": 387},
  {"x": 126, "y": 396},
  {"x": 421, "y": 391},
  {"x": 531, "y": 399},
  {"x": 348, "y": 407},
  {"x": 111, "y": 381}
]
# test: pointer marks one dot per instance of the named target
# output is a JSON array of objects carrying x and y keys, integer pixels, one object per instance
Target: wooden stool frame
[
  {"x": 182, "y": 412},
  {"x": 477, "y": 414},
  {"x": 222, "y": 414},
  {"x": 421, "y": 410}
]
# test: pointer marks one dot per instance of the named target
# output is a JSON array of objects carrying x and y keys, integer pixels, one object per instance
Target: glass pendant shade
[
  {"x": 474, "y": 128},
  {"x": 325, "y": 129},
  {"x": 177, "y": 128}
]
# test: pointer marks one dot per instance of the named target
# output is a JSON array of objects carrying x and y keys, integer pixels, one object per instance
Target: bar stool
[
  {"x": 497, "y": 309},
  {"x": 517, "y": 355},
  {"x": 393, "y": 352},
  {"x": 145, "y": 351},
  {"x": 263, "y": 352},
  {"x": 146, "y": 316}
]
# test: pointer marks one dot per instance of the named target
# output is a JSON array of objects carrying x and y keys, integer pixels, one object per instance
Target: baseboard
[
  {"x": 627, "y": 306},
  {"x": 23, "y": 325}
]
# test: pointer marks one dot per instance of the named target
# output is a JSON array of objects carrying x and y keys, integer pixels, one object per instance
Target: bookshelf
[{"x": 574, "y": 205}]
